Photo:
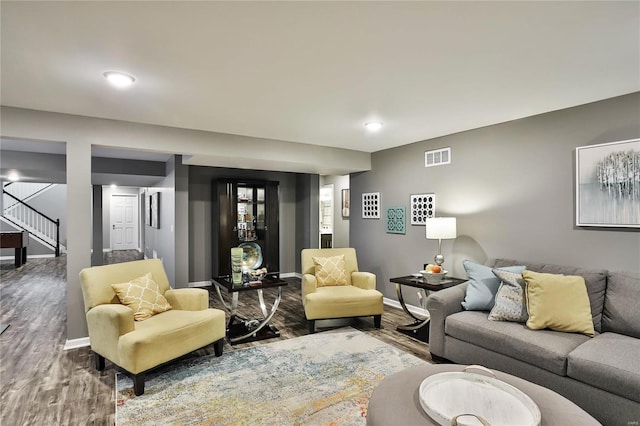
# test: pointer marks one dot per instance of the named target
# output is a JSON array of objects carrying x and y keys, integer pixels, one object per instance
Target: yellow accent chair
[
  {"x": 354, "y": 297},
  {"x": 139, "y": 346}
]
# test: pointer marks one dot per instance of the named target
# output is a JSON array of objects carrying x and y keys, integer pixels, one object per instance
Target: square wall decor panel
[
  {"x": 371, "y": 205},
  {"x": 423, "y": 206},
  {"x": 395, "y": 220}
]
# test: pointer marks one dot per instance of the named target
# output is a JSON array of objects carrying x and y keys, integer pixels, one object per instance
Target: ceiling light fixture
[
  {"x": 373, "y": 126},
  {"x": 13, "y": 176},
  {"x": 119, "y": 80}
]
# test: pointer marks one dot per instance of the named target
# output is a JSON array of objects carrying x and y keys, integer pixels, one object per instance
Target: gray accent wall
[
  {"x": 159, "y": 243},
  {"x": 511, "y": 187},
  {"x": 307, "y": 214},
  {"x": 201, "y": 228}
]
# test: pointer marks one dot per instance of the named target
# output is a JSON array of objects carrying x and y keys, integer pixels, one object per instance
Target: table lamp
[{"x": 440, "y": 228}]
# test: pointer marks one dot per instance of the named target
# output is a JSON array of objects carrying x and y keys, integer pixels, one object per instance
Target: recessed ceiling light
[
  {"x": 373, "y": 126},
  {"x": 119, "y": 79},
  {"x": 13, "y": 176}
]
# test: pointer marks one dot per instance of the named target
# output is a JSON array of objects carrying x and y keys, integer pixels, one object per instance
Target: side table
[
  {"x": 240, "y": 328},
  {"x": 419, "y": 328}
]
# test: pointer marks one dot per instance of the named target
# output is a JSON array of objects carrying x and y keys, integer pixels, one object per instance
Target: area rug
[{"x": 319, "y": 379}]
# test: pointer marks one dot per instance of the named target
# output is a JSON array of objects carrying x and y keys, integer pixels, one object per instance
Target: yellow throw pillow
[
  {"x": 143, "y": 296},
  {"x": 330, "y": 270},
  {"x": 558, "y": 302}
]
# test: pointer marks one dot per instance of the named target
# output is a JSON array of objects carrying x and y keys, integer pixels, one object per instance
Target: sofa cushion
[
  {"x": 609, "y": 361},
  {"x": 483, "y": 286},
  {"x": 558, "y": 302},
  {"x": 595, "y": 279},
  {"x": 621, "y": 313},
  {"x": 543, "y": 348}
]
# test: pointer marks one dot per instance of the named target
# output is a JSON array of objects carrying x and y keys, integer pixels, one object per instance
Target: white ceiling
[{"x": 315, "y": 72}]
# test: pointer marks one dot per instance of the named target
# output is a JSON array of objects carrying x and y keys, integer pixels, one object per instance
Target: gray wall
[
  {"x": 38, "y": 167},
  {"x": 160, "y": 242},
  {"x": 307, "y": 214},
  {"x": 200, "y": 216},
  {"x": 511, "y": 187}
]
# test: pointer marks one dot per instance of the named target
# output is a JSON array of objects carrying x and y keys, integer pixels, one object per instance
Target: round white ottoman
[{"x": 395, "y": 401}]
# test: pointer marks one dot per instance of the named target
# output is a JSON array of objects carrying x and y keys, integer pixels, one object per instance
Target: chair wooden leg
[
  {"x": 312, "y": 326},
  {"x": 99, "y": 360},
  {"x": 138, "y": 384},
  {"x": 217, "y": 347},
  {"x": 377, "y": 319}
]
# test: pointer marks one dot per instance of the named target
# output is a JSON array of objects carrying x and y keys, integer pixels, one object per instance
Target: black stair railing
[{"x": 41, "y": 216}]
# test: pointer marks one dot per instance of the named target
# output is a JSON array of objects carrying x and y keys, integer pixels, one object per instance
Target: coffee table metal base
[{"x": 241, "y": 329}]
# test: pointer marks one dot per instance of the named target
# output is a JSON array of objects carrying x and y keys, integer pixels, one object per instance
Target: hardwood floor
[{"x": 42, "y": 384}]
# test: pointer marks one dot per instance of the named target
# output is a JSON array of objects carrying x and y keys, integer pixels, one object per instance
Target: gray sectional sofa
[{"x": 600, "y": 374}]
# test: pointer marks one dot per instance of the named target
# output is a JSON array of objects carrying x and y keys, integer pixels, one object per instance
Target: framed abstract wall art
[
  {"x": 345, "y": 203},
  {"x": 147, "y": 209},
  {"x": 155, "y": 210},
  {"x": 608, "y": 184}
]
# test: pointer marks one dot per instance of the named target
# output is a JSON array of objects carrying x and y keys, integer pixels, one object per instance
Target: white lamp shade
[{"x": 440, "y": 228}]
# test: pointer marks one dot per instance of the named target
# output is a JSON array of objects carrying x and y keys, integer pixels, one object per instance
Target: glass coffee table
[{"x": 240, "y": 328}]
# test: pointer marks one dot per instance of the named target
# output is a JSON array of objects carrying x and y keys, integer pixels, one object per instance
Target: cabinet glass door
[{"x": 250, "y": 213}]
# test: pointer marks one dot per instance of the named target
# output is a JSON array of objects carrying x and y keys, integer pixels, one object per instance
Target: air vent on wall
[{"x": 437, "y": 157}]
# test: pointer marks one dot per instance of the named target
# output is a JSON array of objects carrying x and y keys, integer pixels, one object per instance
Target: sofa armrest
[
  {"x": 106, "y": 323},
  {"x": 440, "y": 305},
  {"x": 188, "y": 299},
  {"x": 364, "y": 280}
]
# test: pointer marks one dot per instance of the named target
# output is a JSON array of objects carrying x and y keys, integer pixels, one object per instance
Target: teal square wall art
[{"x": 395, "y": 220}]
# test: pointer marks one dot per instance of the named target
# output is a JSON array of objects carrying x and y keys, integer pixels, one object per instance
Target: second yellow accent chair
[{"x": 343, "y": 295}]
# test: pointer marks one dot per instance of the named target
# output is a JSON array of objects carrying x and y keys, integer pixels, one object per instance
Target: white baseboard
[
  {"x": 29, "y": 256},
  {"x": 76, "y": 343},
  {"x": 290, "y": 275},
  {"x": 413, "y": 309}
]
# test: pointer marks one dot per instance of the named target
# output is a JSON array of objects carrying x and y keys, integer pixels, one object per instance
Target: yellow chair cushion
[
  {"x": 330, "y": 271},
  {"x": 342, "y": 301},
  {"x": 143, "y": 296},
  {"x": 558, "y": 302}
]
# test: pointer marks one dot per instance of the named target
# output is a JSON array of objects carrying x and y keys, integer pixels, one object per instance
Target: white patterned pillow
[
  {"x": 143, "y": 296},
  {"x": 330, "y": 270},
  {"x": 510, "y": 299}
]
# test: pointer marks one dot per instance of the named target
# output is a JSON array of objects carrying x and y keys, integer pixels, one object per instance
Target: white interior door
[{"x": 124, "y": 222}]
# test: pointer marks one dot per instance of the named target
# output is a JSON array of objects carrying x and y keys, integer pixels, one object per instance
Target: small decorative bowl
[
  {"x": 257, "y": 274},
  {"x": 433, "y": 278}
]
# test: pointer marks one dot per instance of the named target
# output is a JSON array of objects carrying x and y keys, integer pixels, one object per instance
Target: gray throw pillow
[{"x": 510, "y": 299}]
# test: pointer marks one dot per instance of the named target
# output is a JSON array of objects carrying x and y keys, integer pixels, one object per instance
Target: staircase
[{"x": 17, "y": 212}]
